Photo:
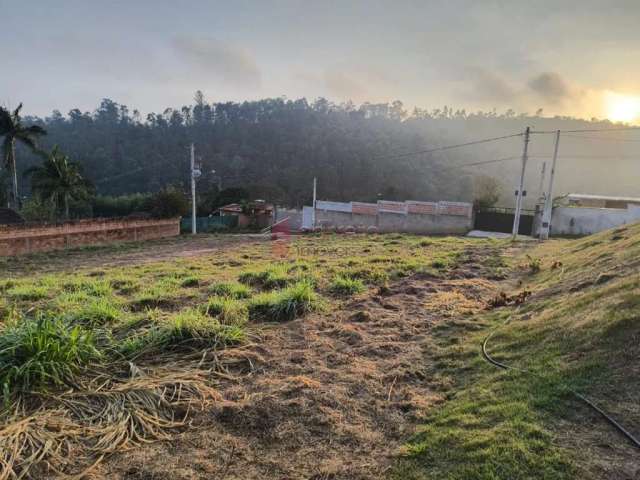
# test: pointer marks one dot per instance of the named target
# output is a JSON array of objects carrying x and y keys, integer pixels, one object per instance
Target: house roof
[
  {"x": 10, "y": 217},
  {"x": 584, "y": 196}
]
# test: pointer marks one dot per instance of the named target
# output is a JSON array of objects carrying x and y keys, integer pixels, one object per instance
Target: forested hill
[{"x": 274, "y": 147}]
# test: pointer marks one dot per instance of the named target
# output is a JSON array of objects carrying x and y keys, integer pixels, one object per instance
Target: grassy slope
[{"x": 579, "y": 329}]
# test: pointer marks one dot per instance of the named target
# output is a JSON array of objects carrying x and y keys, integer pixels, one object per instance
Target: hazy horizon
[{"x": 573, "y": 58}]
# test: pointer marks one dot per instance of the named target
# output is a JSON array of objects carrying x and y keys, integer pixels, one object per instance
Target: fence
[
  {"x": 23, "y": 239},
  {"x": 209, "y": 224}
]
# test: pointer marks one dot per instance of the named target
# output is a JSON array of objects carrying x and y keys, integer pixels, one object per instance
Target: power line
[
  {"x": 448, "y": 147},
  {"x": 587, "y": 130},
  {"x": 612, "y": 139}
]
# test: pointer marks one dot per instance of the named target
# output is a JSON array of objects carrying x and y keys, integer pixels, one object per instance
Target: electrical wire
[
  {"x": 586, "y": 130},
  {"x": 590, "y": 403},
  {"x": 612, "y": 139},
  {"x": 448, "y": 147}
]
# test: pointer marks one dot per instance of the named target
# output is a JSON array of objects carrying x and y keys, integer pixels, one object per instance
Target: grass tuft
[
  {"x": 231, "y": 289},
  {"x": 285, "y": 304},
  {"x": 346, "y": 286},
  {"x": 43, "y": 351},
  {"x": 228, "y": 311}
]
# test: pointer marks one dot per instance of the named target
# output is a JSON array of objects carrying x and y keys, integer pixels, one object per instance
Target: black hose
[{"x": 592, "y": 405}]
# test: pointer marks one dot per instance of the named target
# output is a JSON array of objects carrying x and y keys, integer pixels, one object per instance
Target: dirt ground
[
  {"x": 329, "y": 396},
  {"x": 183, "y": 246}
]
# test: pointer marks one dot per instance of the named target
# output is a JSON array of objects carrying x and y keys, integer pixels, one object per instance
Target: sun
[{"x": 623, "y": 108}]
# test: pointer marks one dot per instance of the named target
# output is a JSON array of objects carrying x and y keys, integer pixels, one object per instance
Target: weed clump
[
  {"x": 28, "y": 292},
  {"x": 276, "y": 276},
  {"x": 228, "y": 311},
  {"x": 43, "y": 351},
  {"x": 285, "y": 304},
  {"x": 346, "y": 286},
  {"x": 231, "y": 289},
  {"x": 189, "y": 328}
]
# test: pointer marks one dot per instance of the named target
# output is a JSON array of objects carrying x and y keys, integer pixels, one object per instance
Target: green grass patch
[
  {"x": 228, "y": 310},
  {"x": 230, "y": 289},
  {"x": 28, "y": 292},
  {"x": 190, "y": 328},
  {"x": 35, "y": 353},
  {"x": 345, "y": 286},
  {"x": 286, "y": 304}
]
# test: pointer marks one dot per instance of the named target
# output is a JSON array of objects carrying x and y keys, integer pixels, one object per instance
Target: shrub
[
  {"x": 231, "y": 289},
  {"x": 286, "y": 304},
  {"x": 120, "y": 206},
  {"x": 43, "y": 351},
  {"x": 341, "y": 285},
  {"x": 228, "y": 311},
  {"x": 168, "y": 203}
]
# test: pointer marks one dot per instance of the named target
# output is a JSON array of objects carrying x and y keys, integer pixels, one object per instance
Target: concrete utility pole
[
  {"x": 313, "y": 214},
  {"x": 548, "y": 201},
  {"x": 542, "y": 176},
  {"x": 193, "y": 190},
  {"x": 519, "y": 193}
]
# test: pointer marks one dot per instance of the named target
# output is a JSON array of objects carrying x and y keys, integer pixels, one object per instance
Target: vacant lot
[{"x": 322, "y": 357}]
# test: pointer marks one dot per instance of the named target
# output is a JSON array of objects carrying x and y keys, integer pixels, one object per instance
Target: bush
[
  {"x": 231, "y": 289},
  {"x": 286, "y": 304},
  {"x": 120, "y": 206},
  {"x": 169, "y": 202},
  {"x": 341, "y": 285},
  {"x": 43, "y": 351}
]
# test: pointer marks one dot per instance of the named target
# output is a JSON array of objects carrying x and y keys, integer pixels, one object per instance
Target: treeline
[{"x": 274, "y": 147}]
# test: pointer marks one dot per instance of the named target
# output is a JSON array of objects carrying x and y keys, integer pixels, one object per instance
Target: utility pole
[
  {"x": 542, "y": 176},
  {"x": 548, "y": 201},
  {"x": 313, "y": 215},
  {"x": 519, "y": 193},
  {"x": 193, "y": 190}
]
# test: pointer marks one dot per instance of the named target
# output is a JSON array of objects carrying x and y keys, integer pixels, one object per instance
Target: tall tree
[
  {"x": 13, "y": 131},
  {"x": 59, "y": 180}
]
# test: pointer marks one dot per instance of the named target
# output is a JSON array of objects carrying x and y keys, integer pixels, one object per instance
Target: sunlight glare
[{"x": 623, "y": 108}]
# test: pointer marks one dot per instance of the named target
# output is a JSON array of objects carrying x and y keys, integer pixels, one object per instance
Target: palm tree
[
  {"x": 12, "y": 129},
  {"x": 58, "y": 180}
]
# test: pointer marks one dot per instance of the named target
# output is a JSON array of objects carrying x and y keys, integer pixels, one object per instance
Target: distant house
[
  {"x": 10, "y": 217},
  {"x": 599, "y": 201},
  {"x": 583, "y": 214},
  {"x": 257, "y": 214}
]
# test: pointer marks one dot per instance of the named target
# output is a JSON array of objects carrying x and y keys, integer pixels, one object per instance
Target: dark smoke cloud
[{"x": 550, "y": 86}]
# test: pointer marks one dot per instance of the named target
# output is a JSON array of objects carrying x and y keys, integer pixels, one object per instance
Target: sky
[{"x": 568, "y": 57}]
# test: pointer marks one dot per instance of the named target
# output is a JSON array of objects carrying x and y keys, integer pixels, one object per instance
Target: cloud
[
  {"x": 228, "y": 63},
  {"x": 344, "y": 85},
  {"x": 550, "y": 86},
  {"x": 485, "y": 85}
]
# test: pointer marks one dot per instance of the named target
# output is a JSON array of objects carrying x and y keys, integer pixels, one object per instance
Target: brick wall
[{"x": 23, "y": 239}]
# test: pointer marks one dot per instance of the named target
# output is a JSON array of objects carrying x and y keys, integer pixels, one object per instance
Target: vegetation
[
  {"x": 58, "y": 180},
  {"x": 43, "y": 351},
  {"x": 499, "y": 424},
  {"x": 341, "y": 285},
  {"x": 14, "y": 131},
  {"x": 286, "y": 304}
]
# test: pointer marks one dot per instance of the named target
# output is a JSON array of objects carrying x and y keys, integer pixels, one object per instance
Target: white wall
[{"x": 585, "y": 221}]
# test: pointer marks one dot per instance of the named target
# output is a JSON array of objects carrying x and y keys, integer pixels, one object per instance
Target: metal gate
[{"x": 501, "y": 220}]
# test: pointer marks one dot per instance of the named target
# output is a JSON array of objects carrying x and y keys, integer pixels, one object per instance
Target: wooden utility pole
[{"x": 519, "y": 193}]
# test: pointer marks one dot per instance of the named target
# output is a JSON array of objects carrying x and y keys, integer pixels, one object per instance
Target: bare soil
[{"x": 330, "y": 396}]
